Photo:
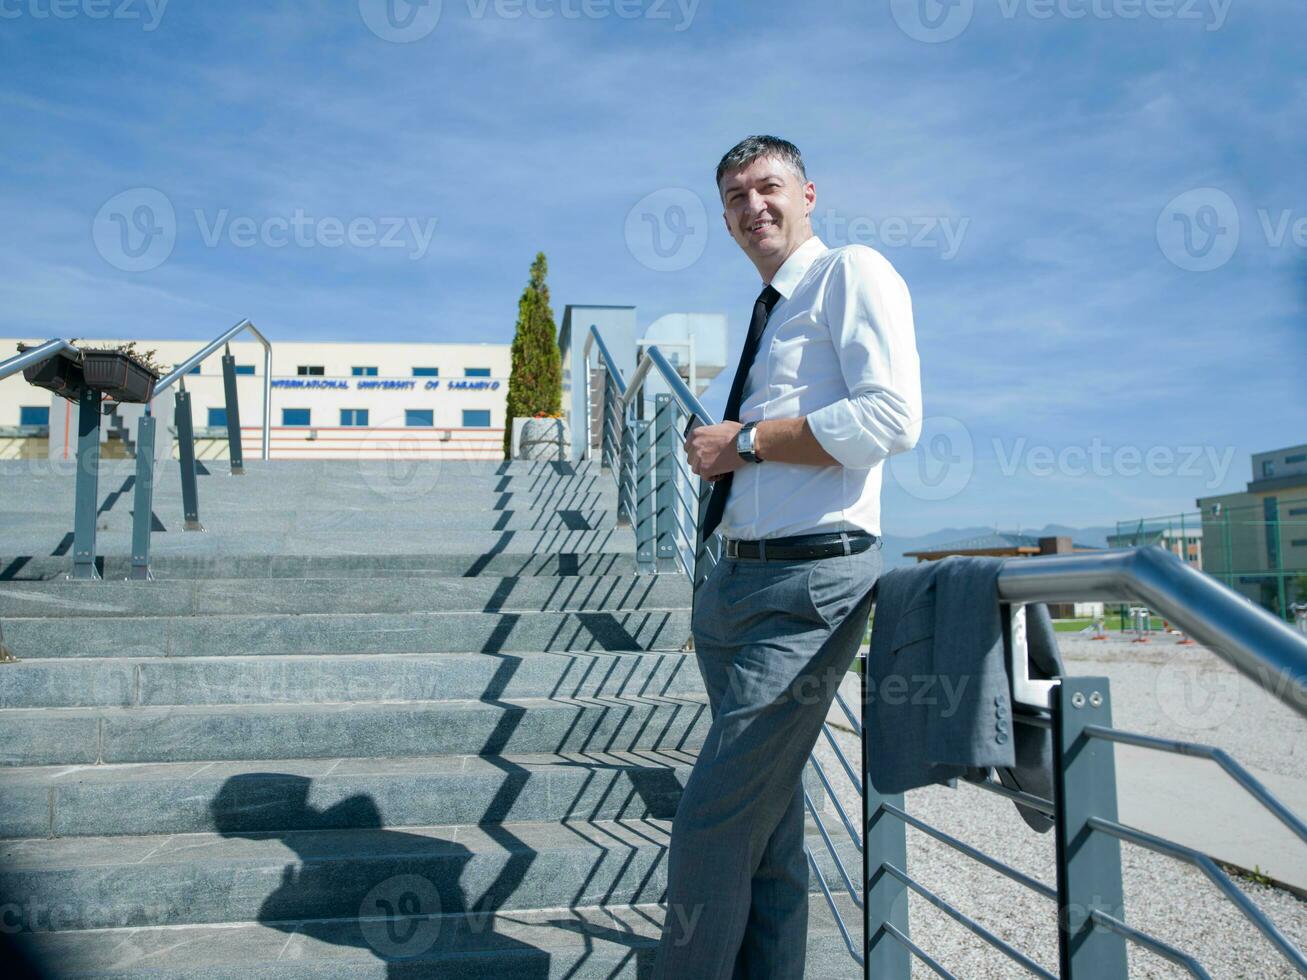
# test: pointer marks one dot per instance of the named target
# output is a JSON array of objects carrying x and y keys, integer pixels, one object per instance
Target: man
[{"x": 826, "y": 389}]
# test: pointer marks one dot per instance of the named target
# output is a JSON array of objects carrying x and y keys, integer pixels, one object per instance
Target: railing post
[
  {"x": 606, "y": 435},
  {"x": 626, "y": 472},
  {"x": 143, "y": 512},
  {"x": 665, "y": 496},
  {"x": 186, "y": 447},
  {"x": 86, "y": 503},
  {"x": 644, "y": 496},
  {"x": 885, "y": 841},
  {"x": 233, "y": 414},
  {"x": 1088, "y": 863}
]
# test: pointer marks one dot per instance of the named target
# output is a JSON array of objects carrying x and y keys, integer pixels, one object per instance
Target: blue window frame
[
  {"x": 353, "y": 416},
  {"x": 476, "y": 418},
  {"x": 426, "y": 372},
  {"x": 244, "y": 368},
  {"x": 34, "y": 415},
  {"x": 363, "y": 372},
  {"x": 217, "y": 418},
  {"x": 476, "y": 372},
  {"x": 295, "y": 416},
  {"x": 415, "y": 417}
]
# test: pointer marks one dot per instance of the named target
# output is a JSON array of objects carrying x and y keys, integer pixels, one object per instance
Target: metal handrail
[
  {"x": 34, "y": 355},
  {"x": 1257, "y": 644},
  {"x": 185, "y": 366}
]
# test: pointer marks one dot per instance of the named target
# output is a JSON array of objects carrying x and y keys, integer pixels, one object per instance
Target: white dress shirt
[{"x": 838, "y": 348}]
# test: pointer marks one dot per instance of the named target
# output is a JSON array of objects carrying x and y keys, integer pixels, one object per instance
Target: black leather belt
[{"x": 826, "y": 545}]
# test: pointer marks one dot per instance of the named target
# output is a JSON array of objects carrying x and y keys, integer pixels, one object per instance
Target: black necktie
[{"x": 761, "y": 310}]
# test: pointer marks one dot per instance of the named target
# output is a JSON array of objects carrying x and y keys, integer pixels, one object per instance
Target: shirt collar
[{"x": 794, "y": 268}]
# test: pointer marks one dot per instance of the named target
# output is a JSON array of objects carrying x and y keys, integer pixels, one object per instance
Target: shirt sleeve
[{"x": 869, "y": 312}]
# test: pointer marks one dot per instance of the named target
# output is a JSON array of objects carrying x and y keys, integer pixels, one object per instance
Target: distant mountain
[{"x": 896, "y": 545}]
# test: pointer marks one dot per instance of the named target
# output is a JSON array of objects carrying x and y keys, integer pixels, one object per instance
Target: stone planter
[{"x": 540, "y": 439}]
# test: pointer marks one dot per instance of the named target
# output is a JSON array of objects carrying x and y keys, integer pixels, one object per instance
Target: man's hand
[{"x": 711, "y": 450}]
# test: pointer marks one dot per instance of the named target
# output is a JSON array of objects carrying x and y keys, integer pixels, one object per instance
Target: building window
[
  {"x": 1268, "y": 468},
  {"x": 1297, "y": 458},
  {"x": 353, "y": 416},
  {"x": 426, "y": 372},
  {"x": 1271, "y": 512},
  {"x": 415, "y": 417},
  {"x": 1299, "y": 542},
  {"x": 295, "y": 416},
  {"x": 217, "y": 418},
  {"x": 476, "y": 372},
  {"x": 194, "y": 370},
  {"x": 1297, "y": 511},
  {"x": 244, "y": 368},
  {"x": 310, "y": 370},
  {"x": 476, "y": 418},
  {"x": 34, "y": 415},
  {"x": 363, "y": 372}
]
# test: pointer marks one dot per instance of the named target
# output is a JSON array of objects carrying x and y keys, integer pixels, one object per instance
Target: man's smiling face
[{"x": 767, "y": 210}]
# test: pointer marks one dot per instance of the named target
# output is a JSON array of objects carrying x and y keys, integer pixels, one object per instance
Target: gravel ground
[{"x": 1159, "y": 688}]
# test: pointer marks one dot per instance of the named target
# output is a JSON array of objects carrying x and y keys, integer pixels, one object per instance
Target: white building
[{"x": 328, "y": 400}]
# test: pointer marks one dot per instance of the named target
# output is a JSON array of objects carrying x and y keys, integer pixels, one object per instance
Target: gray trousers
[{"x": 773, "y": 640}]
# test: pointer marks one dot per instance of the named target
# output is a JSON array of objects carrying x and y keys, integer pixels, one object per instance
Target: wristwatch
[{"x": 746, "y": 441}]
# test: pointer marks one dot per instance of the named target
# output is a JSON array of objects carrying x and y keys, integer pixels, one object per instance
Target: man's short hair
[{"x": 746, "y": 151}]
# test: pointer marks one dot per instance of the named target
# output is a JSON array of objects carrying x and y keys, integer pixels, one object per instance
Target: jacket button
[{"x": 1000, "y": 738}]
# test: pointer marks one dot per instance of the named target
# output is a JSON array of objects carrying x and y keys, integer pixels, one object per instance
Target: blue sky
[{"x": 1032, "y": 177}]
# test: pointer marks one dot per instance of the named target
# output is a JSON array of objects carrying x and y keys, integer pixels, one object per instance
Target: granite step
[
  {"x": 484, "y": 593},
  {"x": 190, "y": 879},
  {"x": 338, "y": 678},
  {"x": 203, "y": 733},
  {"x": 283, "y": 634},
  {"x": 608, "y": 942}
]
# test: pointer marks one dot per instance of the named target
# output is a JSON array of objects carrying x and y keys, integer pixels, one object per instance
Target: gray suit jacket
[{"x": 938, "y": 696}]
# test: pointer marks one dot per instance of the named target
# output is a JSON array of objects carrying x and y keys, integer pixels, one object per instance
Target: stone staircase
[{"x": 368, "y": 724}]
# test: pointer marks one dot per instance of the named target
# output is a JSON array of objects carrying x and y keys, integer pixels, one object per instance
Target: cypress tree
[{"x": 535, "y": 383}]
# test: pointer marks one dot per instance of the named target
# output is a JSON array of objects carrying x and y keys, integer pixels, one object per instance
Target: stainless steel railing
[
  {"x": 664, "y": 503},
  {"x": 88, "y": 447},
  {"x": 184, "y": 368}
]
